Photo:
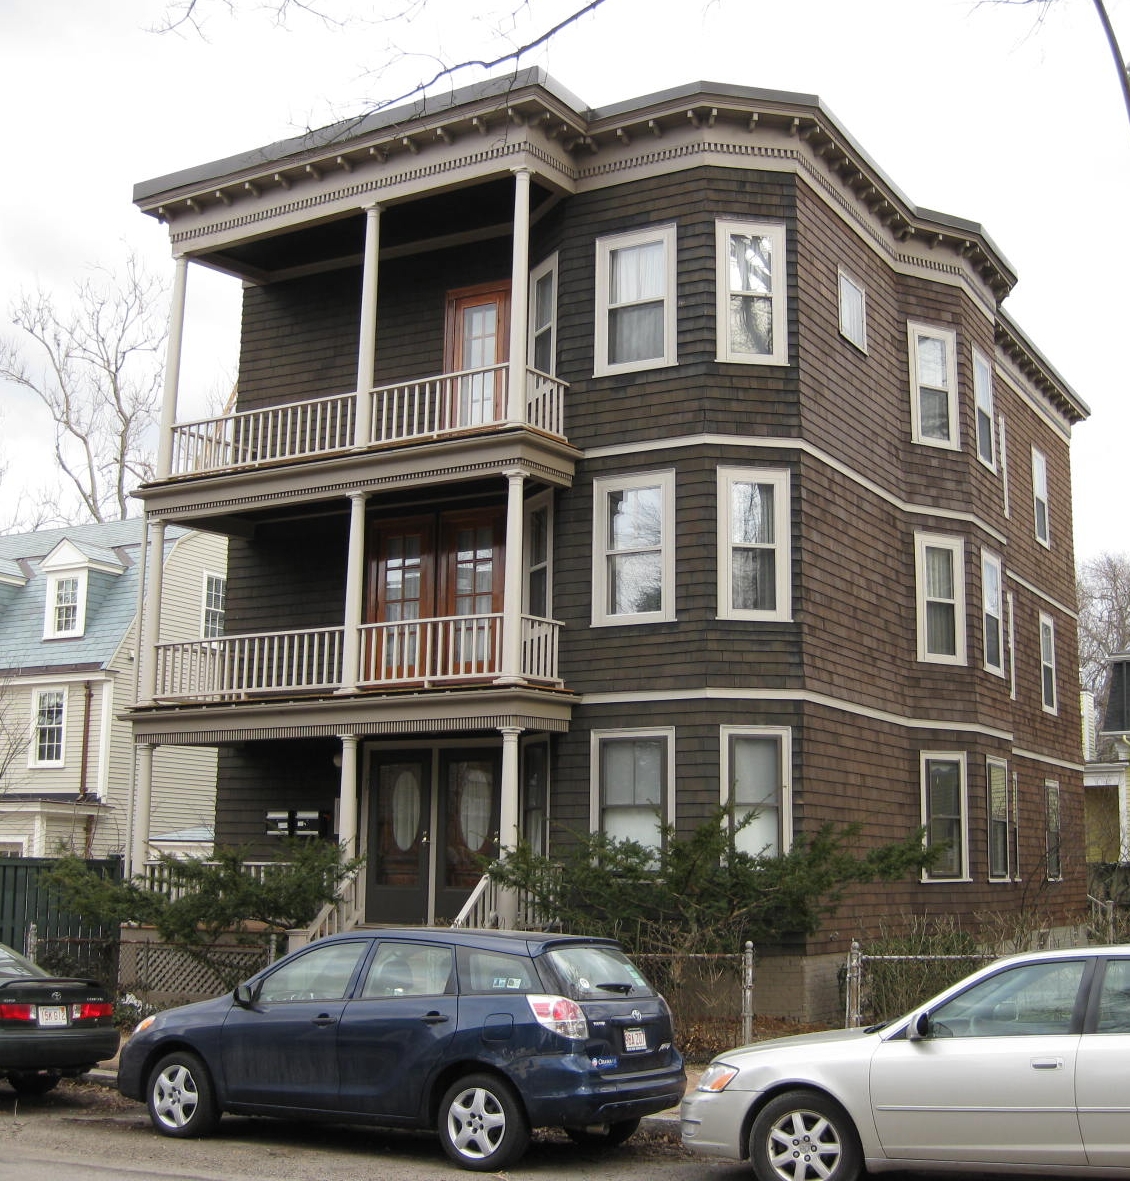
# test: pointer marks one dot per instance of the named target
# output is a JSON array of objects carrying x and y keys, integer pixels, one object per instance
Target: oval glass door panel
[
  {"x": 399, "y": 810},
  {"x": 406, "y": 809}
]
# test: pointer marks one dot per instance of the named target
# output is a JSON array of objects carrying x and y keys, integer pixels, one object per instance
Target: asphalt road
[{"x": 87, "y": 1132}]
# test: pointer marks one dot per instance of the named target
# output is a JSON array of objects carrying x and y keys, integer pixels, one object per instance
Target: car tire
[
  {"x": 802, "y": 1136},
  {"x": 612, "y": 1135},
  {"x": 482, "y": 1125},
  {"x": 180, "y": 1096},
  {"x": 34, "y": 1084}
]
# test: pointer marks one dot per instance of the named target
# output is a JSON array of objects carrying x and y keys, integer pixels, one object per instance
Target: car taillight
[
  {"x": 91, "y": 1010},
  {"x": 559, "y": 1014},
  {"x": 12, "y": 1012}
]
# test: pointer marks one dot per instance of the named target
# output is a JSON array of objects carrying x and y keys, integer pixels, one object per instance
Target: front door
[
  {"x": 470, "y": 795},
  {"x": 478, "y": 322},
  {"x": 399, "y": 858}
]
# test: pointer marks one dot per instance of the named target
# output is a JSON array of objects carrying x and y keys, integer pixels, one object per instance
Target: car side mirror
[
  {"x": 918, "y": 1027},
  {"x": 243, "y": 996}
]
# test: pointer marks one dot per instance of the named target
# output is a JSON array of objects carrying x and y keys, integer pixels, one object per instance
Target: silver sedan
[{"x": 1019, "y": 1068}]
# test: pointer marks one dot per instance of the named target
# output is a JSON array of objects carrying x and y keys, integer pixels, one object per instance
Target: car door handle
[
  {"x": 324, "y": 1019},
  {"x": 434, "y": 1018},
  {"x": 1047, "y": 1063}
]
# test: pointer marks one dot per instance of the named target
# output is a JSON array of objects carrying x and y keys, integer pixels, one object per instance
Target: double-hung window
[
  {"x": 215, "y": 595},
  {"x": 983, "y": 395},
  {"x": 752, "y": 313},
  {"x": 940, "y": 574},
  {"x": 996, "y": 771},
  {"x": 1053, "y": 830},
  {"x": 853, "y": 311},
  {"x": 48, "y": 728},
  {"x": 543, "y": 316},
  {"x": 755, "y": 780},
  {"x": 753, "y": 544},
  {"x": 992, "y": 612},
  {"x": 635, "y": 301},
  {"x": 65, "y": 615},
  {"x": 633, "y": 784},
  {"x": 633, "y": 548},
  {"x": 1040, "y": 497},
  {"x": 537, "y": 536},
  {"x": 933, "y": 383},
  {"x": 944, "y": 814},
  {"x": 1047, "y": 663}
]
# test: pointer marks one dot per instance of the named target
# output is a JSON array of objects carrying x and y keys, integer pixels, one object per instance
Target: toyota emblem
[
  {"x": 637, "y": 1015},
  {"x": 56, "y": 995}
]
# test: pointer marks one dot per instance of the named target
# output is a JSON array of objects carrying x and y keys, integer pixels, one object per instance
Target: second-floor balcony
[
  {"x": 398, "y": 414},
  {"x": 422, "y": 653}
]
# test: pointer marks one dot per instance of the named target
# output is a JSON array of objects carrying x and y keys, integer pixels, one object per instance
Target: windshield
[
  {"x": 592, "y": 973},
  {"x": 13, "y": 965}
]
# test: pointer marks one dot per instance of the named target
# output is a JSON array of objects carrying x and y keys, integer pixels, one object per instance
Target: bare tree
[
  {"x": 15, "y": 733},
  {"x": 97, "y": 370},
  {"x": 1103, "y": 590}
]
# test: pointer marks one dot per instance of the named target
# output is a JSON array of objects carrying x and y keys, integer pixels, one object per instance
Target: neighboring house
[
  {"x": 68, "y": 650},
  {"x": 593, "y": 468},
  {"x": 1107, "y": 785}
]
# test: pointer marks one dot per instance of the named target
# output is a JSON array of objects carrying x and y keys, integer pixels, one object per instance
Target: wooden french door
[
  {"x": 470, "y": 784},
  {"x": 477, "y": 337},
  {"x": 437, "y": 582}
]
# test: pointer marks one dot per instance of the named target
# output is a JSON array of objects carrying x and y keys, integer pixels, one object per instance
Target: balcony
[
  {"x": 399, "y": 414},
  {"x": 420, "y": 652}
]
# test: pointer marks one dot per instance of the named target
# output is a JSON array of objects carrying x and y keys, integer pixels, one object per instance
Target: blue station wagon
[{"x": 481, "y": 1035}]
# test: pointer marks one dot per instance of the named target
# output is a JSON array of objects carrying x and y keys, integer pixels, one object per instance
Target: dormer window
[{"x": 66, "y": 606}]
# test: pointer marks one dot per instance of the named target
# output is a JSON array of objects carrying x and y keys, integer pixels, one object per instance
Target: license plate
[
  {"x": 52, "y": 1015},
  {"x": 635, "y": 1039}
]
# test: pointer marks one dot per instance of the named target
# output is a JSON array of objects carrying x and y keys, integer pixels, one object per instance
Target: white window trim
[
  {"x": 596, "y": 737},
  {"x": 956, "y": 546},
  {"x": 604, "y": 248},
  {"x": 1040, "y": 496},
  {"x": 948, "y": 756},
  {"x": 53, "y": 580},
  {"x": 1046, "y": 621},
  {"x": 784, "y": 736},
  {"x": 846, "y": 277},
  {"x": 546, "y": 267},
  {"x": 533, "y": 505},
  {"x": 948, "y": 337},
  {"x": 982, "y": 364},
  {"x": 1049, "y": 786},
  {"x": 991, "y": 560},
  {"x": 776, "y": 232},
  {"x": 991, "y": 762},
  {"x": 33, "y": 761},
  {"x": 1002, "y": 449},
  {"x": 205, "y": 575},
  {"x": 782, "y": 524},
  {"x": 601, "y": 486}
]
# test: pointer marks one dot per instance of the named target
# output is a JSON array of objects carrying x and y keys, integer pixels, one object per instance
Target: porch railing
[
  {"x": 161, "y": 877},
  {"x": 454, "y": 648},
  {"x": 342, "y": 913},
  {"x": 233, "y": 666},
  {"x": 402, "y": 412}
]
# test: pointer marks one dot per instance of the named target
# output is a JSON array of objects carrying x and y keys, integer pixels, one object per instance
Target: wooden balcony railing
[
  {"x": 401, "y": 413},
  {"x": 427, "y": 651}
]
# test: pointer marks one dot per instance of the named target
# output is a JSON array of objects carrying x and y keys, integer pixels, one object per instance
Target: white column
[
  {"x": 519, "y": 297},
  {"x": 367, "y": 349},
  {"x": 347, "y": 807},
  {"x": 151, "y": 617},
  {"x": 512, "y": 581},
  {"x": 172, "y": 370},
  {"x": 139, "y": 837},
  {"x": 354, "y": 583},
  {"x": 508, "y": 818},
  {"x": 1123, "y": 818}
]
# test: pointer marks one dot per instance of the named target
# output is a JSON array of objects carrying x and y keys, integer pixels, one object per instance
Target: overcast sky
[{"x": 978, "y": 110}]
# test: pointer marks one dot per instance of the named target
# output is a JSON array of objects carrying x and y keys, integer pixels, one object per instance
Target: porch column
[
  {"x": 367, "y": 349},
  {"x": 172, "y": 370},
  {"x": 519, "y": 297},
  {"x": 150, "y": 622},
  {"x": 508, "y": 818},
  {"x": 347, "y": 808},
  {"x": 139, "y": 837},
  {"x": 512, "y": 581},
  {"x": 1123, "y": 820},
  {"x": 354, "y": 583}
]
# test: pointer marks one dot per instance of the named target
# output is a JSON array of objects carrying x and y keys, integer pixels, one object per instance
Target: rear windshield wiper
[{"x": 616, "y": 987}]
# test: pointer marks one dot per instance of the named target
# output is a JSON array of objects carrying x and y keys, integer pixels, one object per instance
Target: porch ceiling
[{"x": 363, "y": 715}]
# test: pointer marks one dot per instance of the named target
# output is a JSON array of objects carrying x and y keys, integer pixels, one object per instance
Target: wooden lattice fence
[{"x": 160, "y": 974}]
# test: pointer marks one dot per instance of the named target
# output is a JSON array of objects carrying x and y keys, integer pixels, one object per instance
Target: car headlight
[
  {"x": 144, "y": 1024},
  {"x": 717, "y": 1076}
]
